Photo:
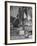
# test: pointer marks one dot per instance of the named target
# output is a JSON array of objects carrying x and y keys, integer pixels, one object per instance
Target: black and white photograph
[{"x": 20, "y": 22}]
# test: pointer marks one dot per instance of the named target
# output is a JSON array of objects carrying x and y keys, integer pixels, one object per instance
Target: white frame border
[{"x": 8, "y": 23}]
